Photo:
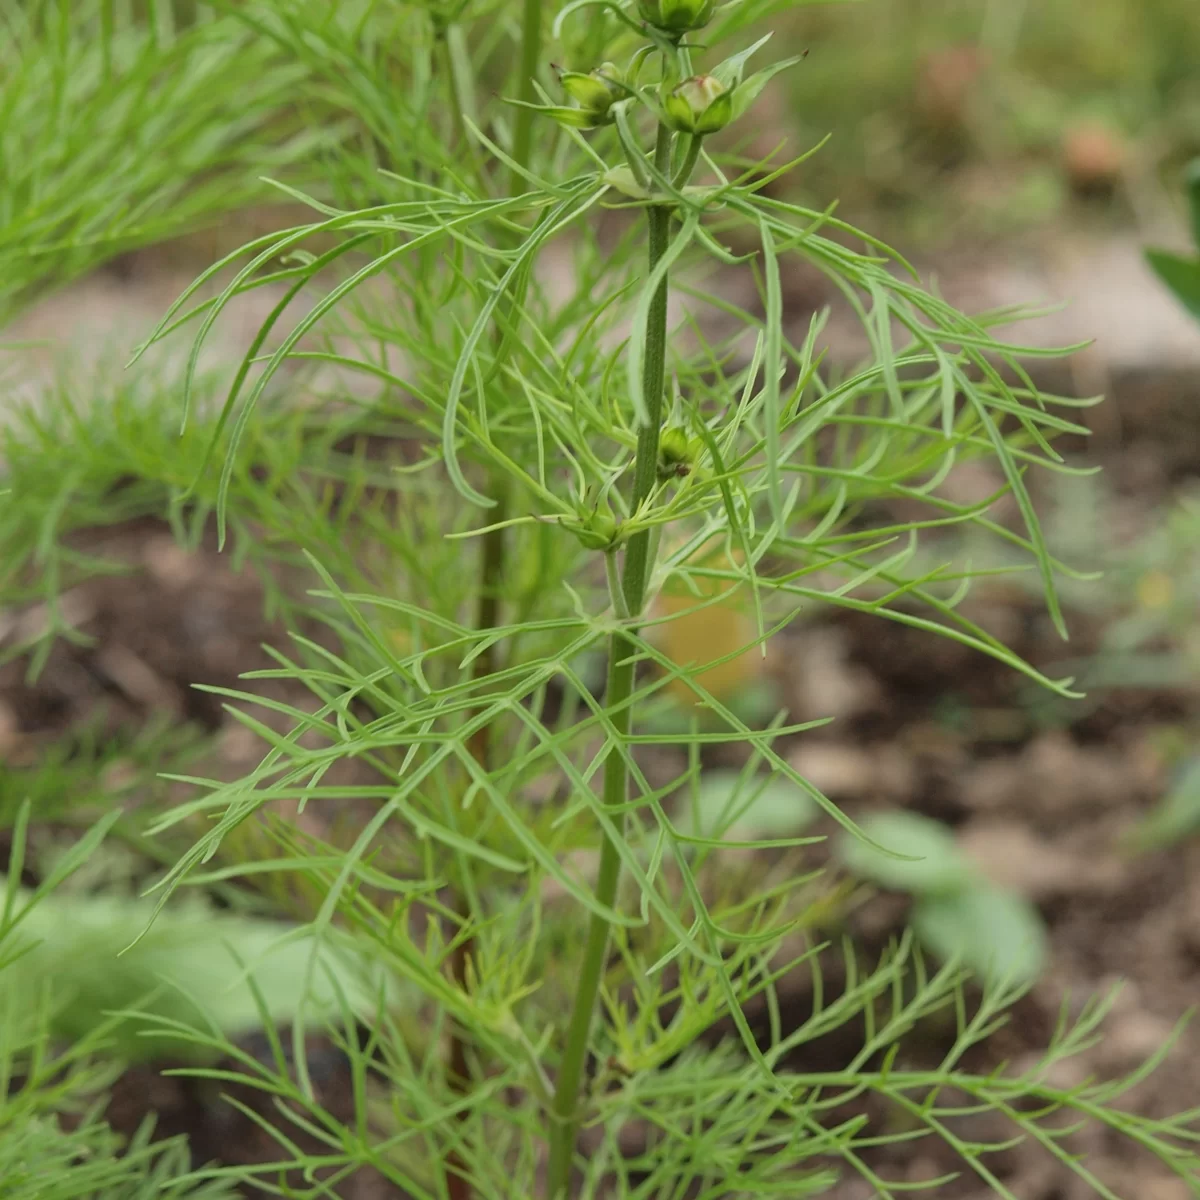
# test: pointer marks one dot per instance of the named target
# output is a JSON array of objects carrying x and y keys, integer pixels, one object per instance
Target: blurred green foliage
[
  {"x": 1181, "y": 272},
  {"x": 957, "y": 914},
  {"x": 968, "y": 116}
]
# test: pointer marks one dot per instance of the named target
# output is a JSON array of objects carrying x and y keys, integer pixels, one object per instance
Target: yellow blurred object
[
  {"x": 701, "y": 633},
  {"x": 1155, "y": 590}
]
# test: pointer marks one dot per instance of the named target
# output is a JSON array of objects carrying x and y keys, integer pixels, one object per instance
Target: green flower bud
[
  {"x": 676, "y": 453},
  {"x": 677, "y": 17},
  {"x": 700, "y": 105},
  {"x": 598, "y": 530},
  {"x": 596, "y": 92}
]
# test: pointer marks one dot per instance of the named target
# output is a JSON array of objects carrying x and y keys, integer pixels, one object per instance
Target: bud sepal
[
  {"x": 594, "y": 92},
  {"x": 596, "y": 528},
  {"x": 674, "y": 18},
  {"x": 699, "y": 105}
]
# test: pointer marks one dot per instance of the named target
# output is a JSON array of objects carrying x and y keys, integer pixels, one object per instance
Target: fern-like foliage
[{"x": 426, "y": 386}]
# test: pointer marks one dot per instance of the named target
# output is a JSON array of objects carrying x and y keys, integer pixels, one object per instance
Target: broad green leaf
[
  {"x": 1176, "y": 816},
  {"x": 726, "y": 805},
  {"x": 1181, "y": 275},
  {"x": 918, "y": 855},
  {"x": 188, "y": 962},
  {"x": 998, "y": 935},
  {"x": 1193, "y": 186}
]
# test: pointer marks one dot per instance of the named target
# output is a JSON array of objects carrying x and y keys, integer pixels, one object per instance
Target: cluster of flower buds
[
  {"x": 699, "y": 105},
  {"x": 694, "y": 107}
]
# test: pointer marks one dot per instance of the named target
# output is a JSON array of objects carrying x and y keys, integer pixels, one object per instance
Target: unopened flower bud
[
  {"x": 598, "y": 530},
  {"x": 700, "y": 105},
  {"x": 676, "y": 453},
  {"x": 677, "y": 17},
  {"x": 596, "y": 92}
]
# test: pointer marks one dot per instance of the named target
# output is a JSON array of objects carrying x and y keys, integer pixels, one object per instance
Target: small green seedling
[
  {"x": 228, "y": 970},
  {"x": 959, "y": 916},
  {"x": 1181, "y": 273},
  {"x": 1176, "y": 816},
  {"x": 754, "y": 702},
  {"x": 728, "y": 805}
]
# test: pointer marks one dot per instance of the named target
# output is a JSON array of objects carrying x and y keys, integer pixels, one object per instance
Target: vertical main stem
[
  {"x": 491, "y": 577},
  {"x": 645, "y": 467},
  {"x": 621, "y": 668},
  {"x": 531, "y": 52}
]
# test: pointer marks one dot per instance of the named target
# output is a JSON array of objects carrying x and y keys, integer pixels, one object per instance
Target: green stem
[
  {"x": 614, "y": 585},
  {"x": 621, "y": 668},
  {"x": 491, "y": 578},
  {"x": 531, "y": 53},
  {"x": 690, "y": 159},
  {"x": 645, "y": 469},
  {"x": 454, "y": 90}
]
